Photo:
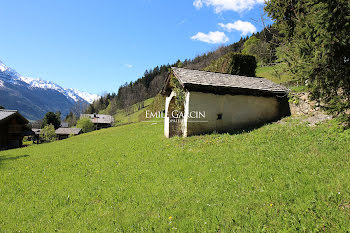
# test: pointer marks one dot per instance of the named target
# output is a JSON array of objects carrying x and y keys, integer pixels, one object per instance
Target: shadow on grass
[
  {"x": 9, "y": 158},
  {"x": 247, "y": 129}
]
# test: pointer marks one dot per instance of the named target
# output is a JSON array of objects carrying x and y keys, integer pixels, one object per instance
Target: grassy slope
[
  {"x": 131, "y": 178},
  {"x": 122, "y": 117},
  {"x": 274, "y": 73}
]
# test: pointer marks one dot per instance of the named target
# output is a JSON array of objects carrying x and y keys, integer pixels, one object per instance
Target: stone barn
[
  {"x": 13, "y": 127},
  {"x": 199, "y": 102}
]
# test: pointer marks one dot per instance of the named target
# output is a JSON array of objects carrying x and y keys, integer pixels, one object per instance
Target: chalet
[
  {"x": 100, "y": 121},
  {"x": 63, "y": 133},
  {"x": 13, "y": 127},
  {"x": 36, "y": 136},
  {"x": 220, "y": 102}
]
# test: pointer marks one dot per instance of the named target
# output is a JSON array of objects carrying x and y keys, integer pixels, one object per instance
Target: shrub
[
  {"x": 234, "y": 63},
  {"x": 48, "y": 133},
  {"x": 85, "y": 124}
]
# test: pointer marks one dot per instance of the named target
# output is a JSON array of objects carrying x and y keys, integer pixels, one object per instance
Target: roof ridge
[
  {"x": 8, "y": 110},
  {"x": 207, "y": 71}
]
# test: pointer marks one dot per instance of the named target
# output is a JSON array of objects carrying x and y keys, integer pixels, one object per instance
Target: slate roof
[
  {"x": 37, "y": 131},
  {"x": 195, "y": 80},
  {"x": 99, "y": 118},
  {"x": 5, "y": 114},
  {"x": 68, "y": 131}
]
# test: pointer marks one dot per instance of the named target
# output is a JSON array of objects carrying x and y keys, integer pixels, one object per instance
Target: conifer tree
[{"x": 316, "y": 46}]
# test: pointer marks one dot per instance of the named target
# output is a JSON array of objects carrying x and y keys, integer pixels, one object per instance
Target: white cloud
[
  {"x": 198, "y": 4},
  {"x": 129, "y": 66},
  {"x": 228, "y": 5},
  {"x": 244, "y": 27},
  {"x": 211, "y": 37}
]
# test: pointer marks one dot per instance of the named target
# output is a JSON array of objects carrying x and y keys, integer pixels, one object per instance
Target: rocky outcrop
[{"x": 302, "y": 105}]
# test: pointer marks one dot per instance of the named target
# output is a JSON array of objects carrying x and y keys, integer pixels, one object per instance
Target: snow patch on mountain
[
  {"x": 2, "y": 67},
  {"x": 39, "y": 83},
  {"x": 84, "y": 95}
]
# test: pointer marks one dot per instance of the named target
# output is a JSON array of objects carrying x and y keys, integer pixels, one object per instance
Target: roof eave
[{"x": 224, "y": 90}]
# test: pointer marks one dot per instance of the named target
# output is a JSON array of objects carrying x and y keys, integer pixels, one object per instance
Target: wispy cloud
[
  {"x": 242, "y": 26},
  {"x": 211, "y": 38},
  {"x": 198, "y": 4},
  {"x": 228, "y": 5},
  {"x": 129, "y": 66},
  {"x": 181, "y": 22}
]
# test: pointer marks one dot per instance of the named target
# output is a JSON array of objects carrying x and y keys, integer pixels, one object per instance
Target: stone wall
[{"x": 301, "y": 104}]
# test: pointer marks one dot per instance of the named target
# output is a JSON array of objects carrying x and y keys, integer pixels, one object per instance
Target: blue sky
[{"x": 96, "y": 46}]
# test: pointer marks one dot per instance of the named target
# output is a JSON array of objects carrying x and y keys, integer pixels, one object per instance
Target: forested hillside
[
  {"x": 310, "y": 41},
  {"x": 149, "y": 85}
]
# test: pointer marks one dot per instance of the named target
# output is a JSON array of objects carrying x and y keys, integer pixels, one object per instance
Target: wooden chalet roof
[
  {"x": 7, "y": 114},
  {"x": 68, "y": 131},
  {"x": 99, "y": 118},
  {"x": 218, "y": 83},
  {"x": 37, "y": 131}
]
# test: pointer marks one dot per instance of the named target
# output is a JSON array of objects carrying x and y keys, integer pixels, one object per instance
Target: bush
[
  {"x": 85, "y": 124},
  {"x": 258, "y": 48},
  {"x": 234, "y": 63},
  {"x": 48, "y": 133}
]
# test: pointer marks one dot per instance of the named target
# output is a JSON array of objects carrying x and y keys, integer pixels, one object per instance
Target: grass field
[
  {"x": 122, "y": 117},
  {"x": 281, "y": 177},
  {"x": 275, "y": 73}
]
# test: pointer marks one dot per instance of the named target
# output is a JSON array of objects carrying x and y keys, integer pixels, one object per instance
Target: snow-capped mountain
[
  {"x": 74, "y": 94},
  {"x": 19, "y": 92}
]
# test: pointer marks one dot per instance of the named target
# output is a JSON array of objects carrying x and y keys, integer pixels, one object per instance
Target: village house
[
  {"x": 100, "y": 121},
  {"x": 13, "y": 127},
  {"x": 36, "y": 136},
  {"x": 63, "y": 133},
  {"x": 216, "y": 102}
]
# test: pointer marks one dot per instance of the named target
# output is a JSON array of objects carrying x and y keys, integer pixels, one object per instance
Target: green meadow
[
  {"x": 281, "y": 177},
  {"x": 277, "y": 73}
]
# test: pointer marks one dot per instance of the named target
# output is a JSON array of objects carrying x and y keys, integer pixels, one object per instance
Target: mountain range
[{"x": 33, "y": 97}]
